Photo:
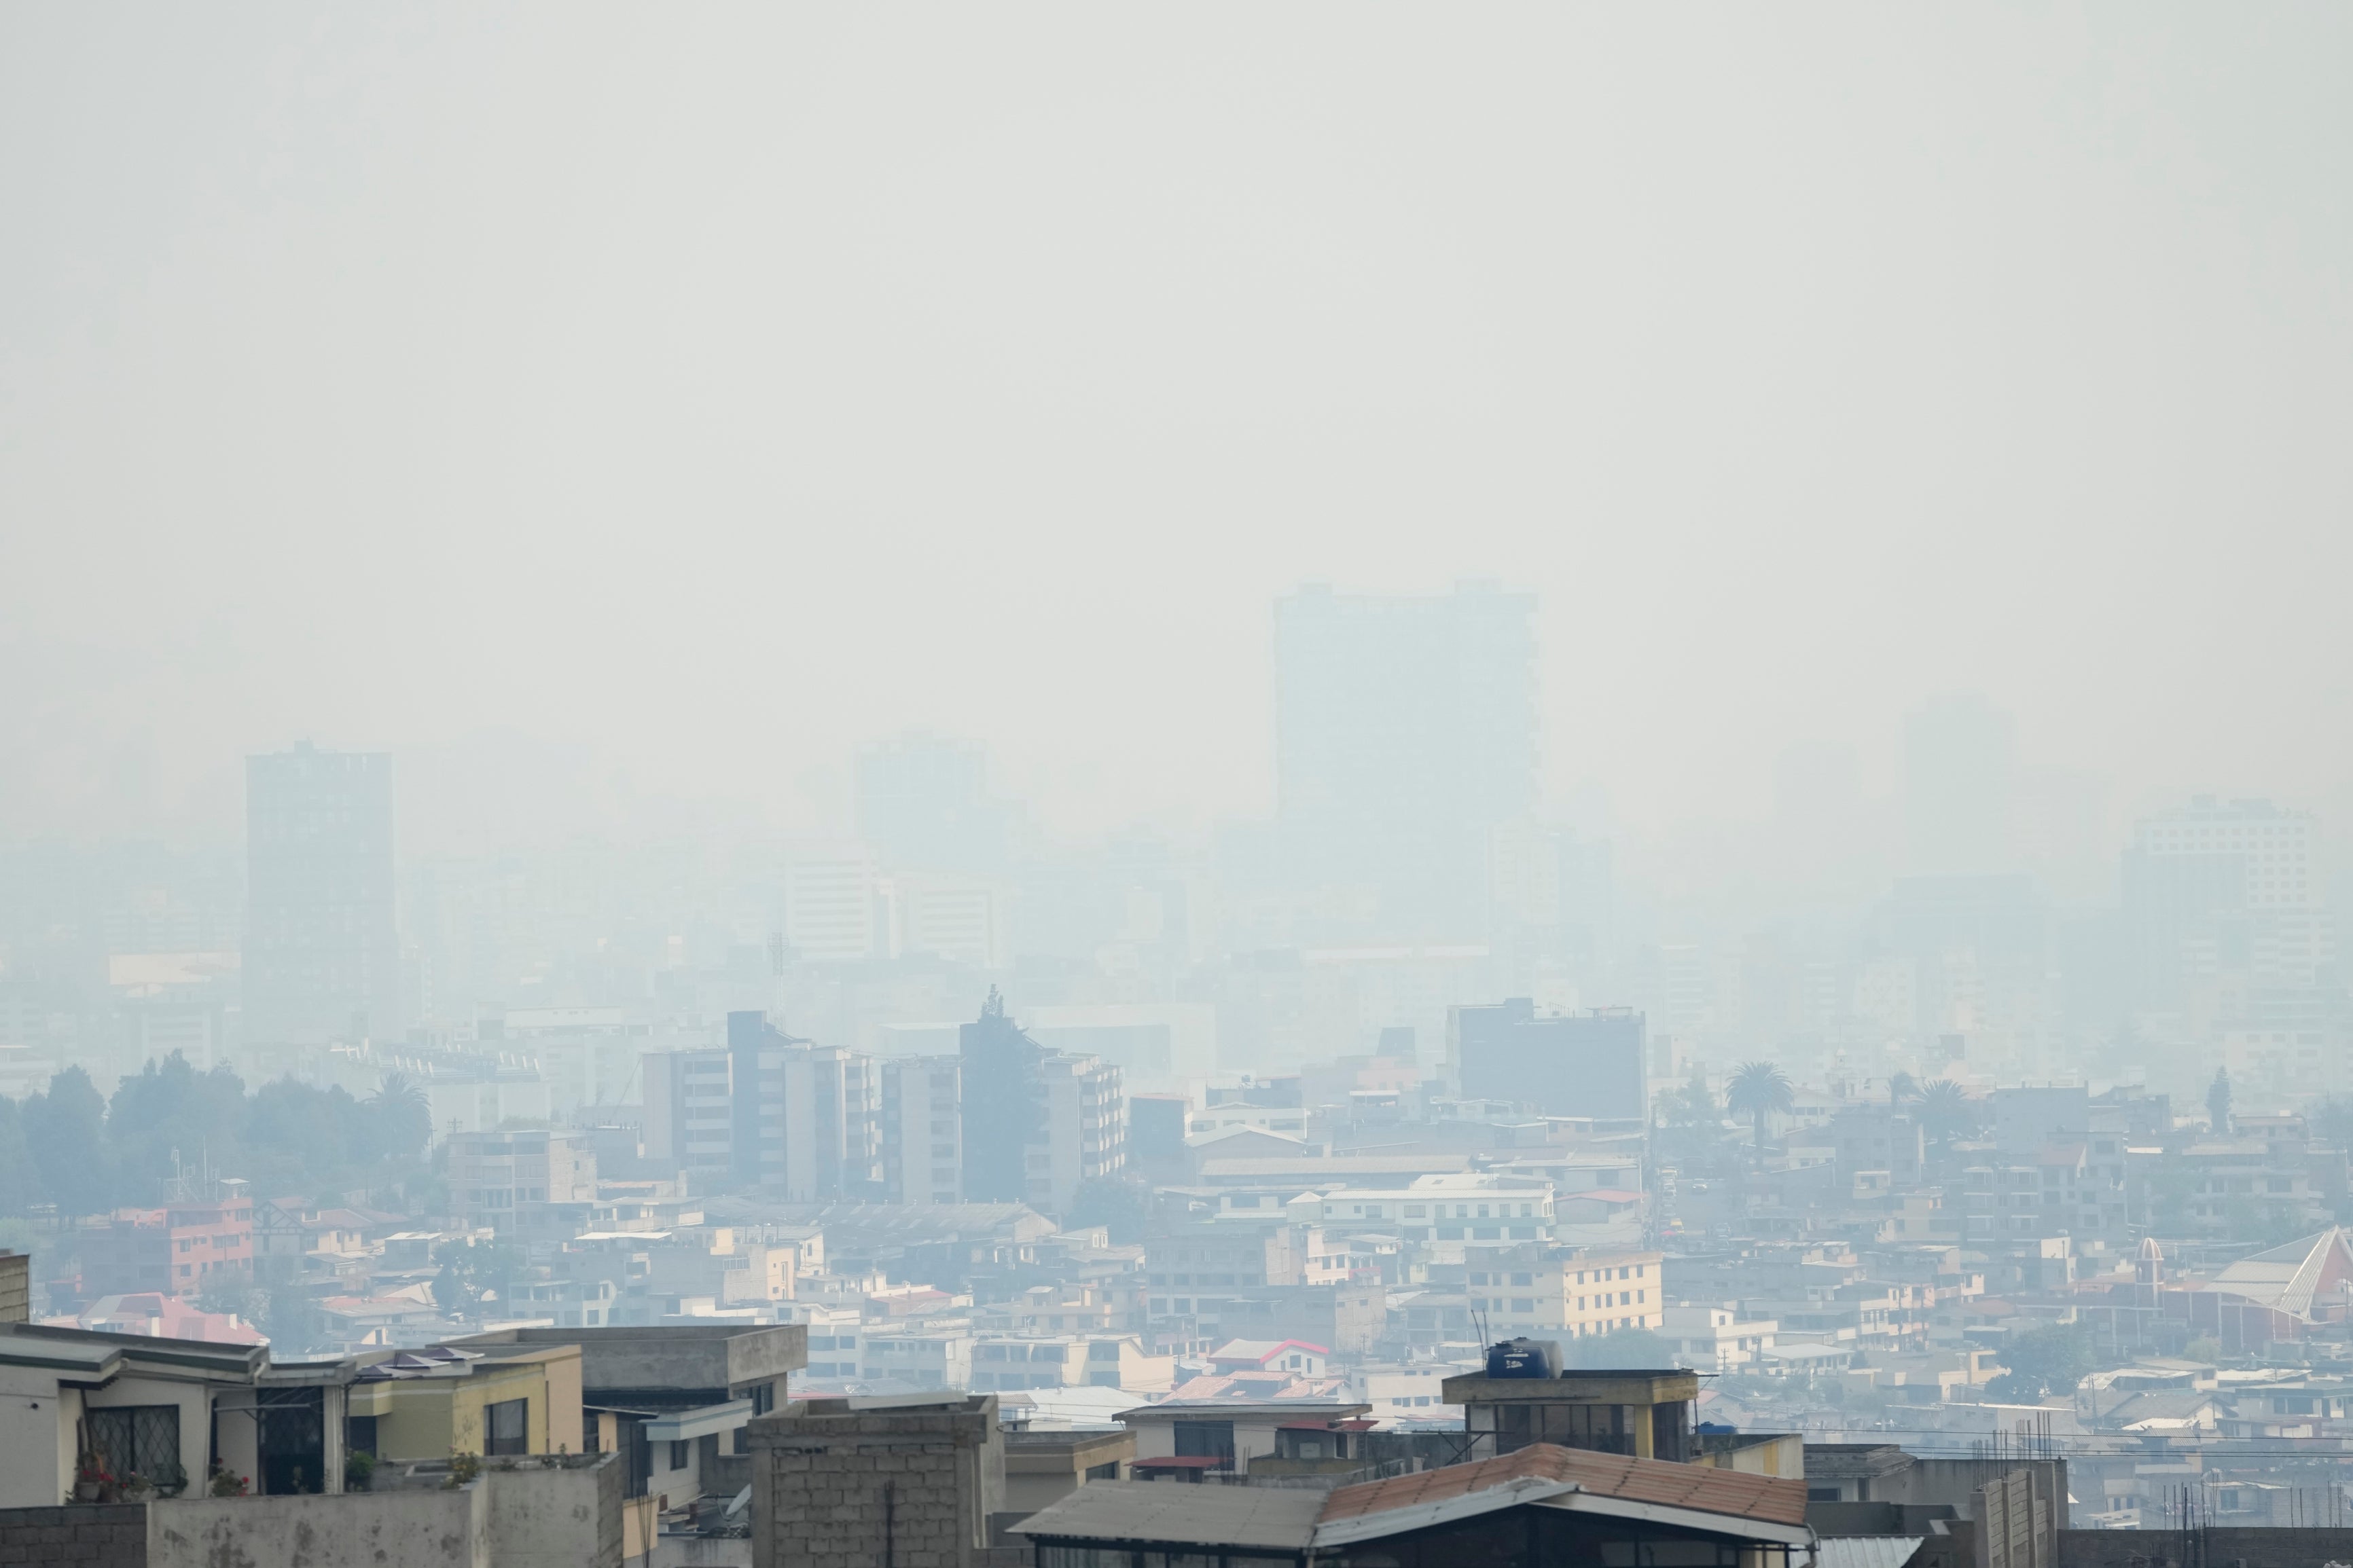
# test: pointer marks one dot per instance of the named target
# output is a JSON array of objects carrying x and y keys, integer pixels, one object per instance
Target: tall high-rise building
[
  {"x": 923, "y": 1129},
  {"x": 2221, "y": 894},
  {"x": 836, "y": 907},
  {"x": 690, "y": 1122},
  {"x": 322, "y": 942},
  {"x": 805, "y": 1115},
  {"x": 1037, "y": 1124},
  {"x": 1407, "y": 734}
]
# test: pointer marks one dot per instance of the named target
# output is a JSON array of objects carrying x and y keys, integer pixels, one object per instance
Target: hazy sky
[{"x": 698, "y": 394}]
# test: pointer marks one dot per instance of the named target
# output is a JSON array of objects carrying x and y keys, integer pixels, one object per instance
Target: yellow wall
[{"x": 433, "y": 1417}]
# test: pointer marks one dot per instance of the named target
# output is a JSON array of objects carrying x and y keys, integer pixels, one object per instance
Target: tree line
[{"x": 85, "y": 1153}]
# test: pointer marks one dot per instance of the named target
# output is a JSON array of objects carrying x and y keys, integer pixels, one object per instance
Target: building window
[
  {"x": 506, "y": 1427},
  {"x": 144, "y": 1438},
  {"x": 677, "y": 1453}
]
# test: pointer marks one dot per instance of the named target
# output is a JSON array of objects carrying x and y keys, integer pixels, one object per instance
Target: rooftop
[
  {"x": 1280, "y": 1518},
  {"x": 1685, "y": 1497},
  {"x": 1691, "y": 1488}
]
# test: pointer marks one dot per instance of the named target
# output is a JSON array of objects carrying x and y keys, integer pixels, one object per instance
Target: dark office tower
[
  {"x": 1580, "y": 1065},
  {"x": 923, "y": 806},
  {"x": 1003, "y": 1111},
  {"x": 1406, "y": 735},
  {"x": 1038, "y": 1125},
  {"x": 322, "y": 948}
]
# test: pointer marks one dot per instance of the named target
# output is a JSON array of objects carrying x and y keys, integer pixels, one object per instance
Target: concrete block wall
[
  {"x": 841, "y": 1484},
  {"x": 111, "y": 1535},
  {"x": 354, "y": 1529},
  {"x": 537, "y": 1512}
]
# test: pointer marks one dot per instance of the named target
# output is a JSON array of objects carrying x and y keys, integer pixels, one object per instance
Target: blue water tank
[{"x": 1523, "y": 1358}]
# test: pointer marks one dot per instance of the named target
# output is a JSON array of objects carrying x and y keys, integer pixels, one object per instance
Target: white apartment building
[
  {"x": 1013, "y": 1362},
  {"x": 689, "y": 1119},
  {"x": 1717, "y": 1339},
  {"x": 1406, "y": 1392},
  {"x": 961, "y": 921},
  {"x": 1086, "y": 1128},
  {"x": 923, "y": 1129},
  {"x": 1453, "y": 1208},
  {"x": 494, "y": 1178},
  {"x": 836, "y": 908},
  {"x": 1210, "y": 1119},
  {"x": 921, "y": 1358},
  {"x": 1520, "y": 1291},
  {"x": 2277, "y": 849},
  {"x": 2217, "y": 888}
]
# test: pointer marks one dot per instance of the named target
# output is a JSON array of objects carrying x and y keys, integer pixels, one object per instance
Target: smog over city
[{"x": 817, "y": 783}]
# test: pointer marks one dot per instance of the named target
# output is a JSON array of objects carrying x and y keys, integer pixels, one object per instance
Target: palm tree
[
  {"x": 404, "y": 1116},
  {"x": 1946, "y": 1109},
  {"x": 1903, "y": 1089},
  {"x": 1757, "y": 1091}
]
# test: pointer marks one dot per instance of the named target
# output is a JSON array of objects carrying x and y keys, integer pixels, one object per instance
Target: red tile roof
[{"x": 1695, "y": 1487}]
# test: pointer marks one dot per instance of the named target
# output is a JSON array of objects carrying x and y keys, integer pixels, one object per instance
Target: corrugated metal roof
[
  {"x": 1866, "y": 1551},
  {"x": 1280, "y": 1518},
  {"x": 2286, "y": 1278},
  {"x": 1693, "y": 1486}
]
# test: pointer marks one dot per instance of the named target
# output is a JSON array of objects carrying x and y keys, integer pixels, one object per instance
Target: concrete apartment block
[{"x": 876, "y": 1483}]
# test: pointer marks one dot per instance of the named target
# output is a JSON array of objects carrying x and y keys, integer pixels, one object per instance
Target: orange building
[{"x": 173, "y": 1250}]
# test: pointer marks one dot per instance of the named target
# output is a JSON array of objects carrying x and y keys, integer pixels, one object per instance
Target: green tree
[
  {"x": 20, "y": 1177},
  {"x": 1121, "y": 1206},
  {"x": 169, "y": 1108},
  {"x": 1947, "y": 1113},
  {"x": 1692, "y": 1119},
  {"x": 1759, "y": 1090},
  {"x": 400, "y": 1118},
  {"x": 236, "y": 1294},
  {"x": 2171, "y": 1188},
  {"x": 2052, "y": 1358},
  {"x": 1903, "y": 1089},
  {"x": 2333, "y": 1119},
  {"x": 65, "y": 1132},
  {"x": 2218, "y": 1103},
  {"x": 472, "y": 1274}
]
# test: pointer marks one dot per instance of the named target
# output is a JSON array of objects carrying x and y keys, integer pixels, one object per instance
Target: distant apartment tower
[
  {"x": 1037, "y": 1124},
  {"x": 952, "y": 918},
  {"x": 1589, "y": 1065},
  {"x": 2218, "y": 889},
  {"x": 322, "y": 944},
  {"x": 689, "y": 1112},
  {"x": 1407, "y": 735},
  {"x": 1086, "y": 1130},
  {"x": 499, "y": 1178},
  {"x": 923, "y": 1129},
  {"x": 805, "y": 1114},
  {"x": 836, "y": 908}
]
